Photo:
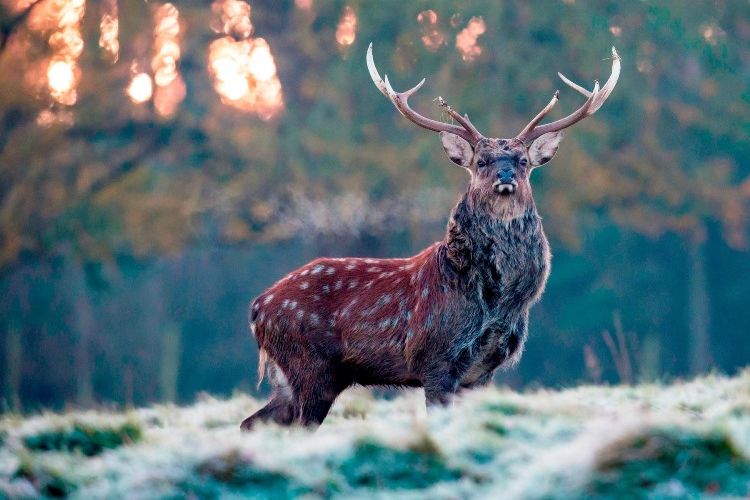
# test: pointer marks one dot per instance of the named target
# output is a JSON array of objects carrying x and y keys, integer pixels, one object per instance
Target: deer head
[{"x": 499, "y": 167}]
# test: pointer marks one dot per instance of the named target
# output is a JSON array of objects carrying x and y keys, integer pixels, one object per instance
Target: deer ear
[
  {"x": 458, "y": 150},
  {"x": 544, "y": 148}
]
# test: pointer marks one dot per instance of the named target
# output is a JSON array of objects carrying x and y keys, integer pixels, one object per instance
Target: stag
[{"x": 445, "y": 319}]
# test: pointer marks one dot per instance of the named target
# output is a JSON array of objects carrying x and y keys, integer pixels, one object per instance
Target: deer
[{"x": 445, "y": 319}]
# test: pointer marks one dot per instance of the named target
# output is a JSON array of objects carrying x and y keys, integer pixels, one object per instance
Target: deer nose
[{"x": 506, "y": 175}]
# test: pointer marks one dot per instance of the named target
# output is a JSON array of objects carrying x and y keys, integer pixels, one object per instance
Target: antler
[
  {"x": 400, "y": 99},
  {"x": 594, "y": 101}
]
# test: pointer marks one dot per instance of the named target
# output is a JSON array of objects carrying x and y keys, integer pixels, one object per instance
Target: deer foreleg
[{"x": 442, "y": 378}]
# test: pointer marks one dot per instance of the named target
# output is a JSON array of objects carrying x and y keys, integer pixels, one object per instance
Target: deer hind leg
[
  {"x": 276, "y": 410},
  {"x": 281, "y": 408},
  {"x": 316, "y": 393}
]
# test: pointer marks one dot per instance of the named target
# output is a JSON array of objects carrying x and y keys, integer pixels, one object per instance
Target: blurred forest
[{"x": 161, "y": 164}]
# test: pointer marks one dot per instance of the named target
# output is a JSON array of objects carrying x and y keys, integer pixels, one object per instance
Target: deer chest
[
  {"x": 516, "y": 271},
  {"x": 513, "y": 277}
]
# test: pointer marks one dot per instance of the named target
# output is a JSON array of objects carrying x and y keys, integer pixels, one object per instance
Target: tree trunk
[
  {"x": 169, "y": 370},
  {"x": 698, "y": 310},
  {"x": 649, "y": 364},
  {"x": 13, "y": 365},
  {"x": 17, "y": 304},
  {"x": 83, "y": 324}
]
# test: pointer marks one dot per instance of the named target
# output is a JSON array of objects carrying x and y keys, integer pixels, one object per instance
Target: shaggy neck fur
[{"x": 505, "y": 259}]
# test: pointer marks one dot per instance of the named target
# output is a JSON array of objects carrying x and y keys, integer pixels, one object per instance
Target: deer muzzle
[
  {"x": 506, "y": 181},
  {"x": 505, "y": 188}
]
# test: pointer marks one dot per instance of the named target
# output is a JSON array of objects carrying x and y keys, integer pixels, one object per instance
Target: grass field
[{"x": 682, "y": 440}]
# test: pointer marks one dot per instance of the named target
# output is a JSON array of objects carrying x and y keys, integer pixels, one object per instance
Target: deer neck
[{"x": 479, "y": 244}]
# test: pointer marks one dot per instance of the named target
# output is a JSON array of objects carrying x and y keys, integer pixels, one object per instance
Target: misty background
[{"x": 161, "y": 164}]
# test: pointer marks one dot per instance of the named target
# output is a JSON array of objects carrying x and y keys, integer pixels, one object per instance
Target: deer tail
[
  {"x": 262, "y": 353},
  {"x": 262, "y": 362}
]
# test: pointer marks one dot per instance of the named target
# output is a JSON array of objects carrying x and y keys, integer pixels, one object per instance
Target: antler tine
[
  {"x": 466, "y": 131},
  {"x": 573, "y": 85},
  {"x": 605, "y": 90},
  {"x": 540, "y": 116},
  {"x": 462, "y": 120},
  {"x": 560, "y": 124},
  {"x": 594, "y": 101}
]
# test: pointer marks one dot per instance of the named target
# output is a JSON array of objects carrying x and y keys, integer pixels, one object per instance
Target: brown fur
[{"x": 443, "y": 319}]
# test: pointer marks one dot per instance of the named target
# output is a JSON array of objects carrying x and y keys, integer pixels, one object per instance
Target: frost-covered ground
[{"x": 681, "y": 440}]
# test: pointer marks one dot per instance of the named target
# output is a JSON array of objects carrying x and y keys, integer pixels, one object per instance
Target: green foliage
[
  {"x": 117, "y": 177},
  {"x": 235, "y": 475},
  {"x": 653, "y": 461},
  {"x": 504, "y": 408},
  {"x": 47, "y": 481},
  {"x": 84, "y": 438},
  {"x": 376, "y": 466}
]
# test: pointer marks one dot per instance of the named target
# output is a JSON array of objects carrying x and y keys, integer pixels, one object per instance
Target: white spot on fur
[
  {"x": 317, "y": 269},
  {"x": 373, "y": 269},
  {"x": 267, "y": 299},
  {"x": 339, "y": 284},
  {"x": 330, "y": 270},
  {"x": 350, "y": 267},
  {"x": 425, "y": 292},
  {"x": 314, "y": 319},
  {"x": 300, "y": 314},
  {"x": 386, "y": 323},
  {"x": 304, "y": 285},
  {"x": 352, "y": 284},
  {"x": 345, "y": 311},
  {"x": 326, "y": 288},
  {"x": 304, "y": 273},
  {"x": 285, "y": 303},
  {"x": 293, "y": 304},
  {"x": 371, "y": 261}
]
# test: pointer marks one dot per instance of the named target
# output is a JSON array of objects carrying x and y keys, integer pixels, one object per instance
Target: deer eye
[
  {"x": 524, "y": 162},
  {"x": 481, "y": 163}
]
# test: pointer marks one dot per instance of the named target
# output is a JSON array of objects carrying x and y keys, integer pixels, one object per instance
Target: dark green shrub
[
  {"x": 47, "y": 482},
  {"x": 84, "y": 438},
  {"x": 504, "y": 408},
  {"x": 373, "y": 465},
  {"x": 235, "y": 475},
  {"x": 703, "y": 464}
]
